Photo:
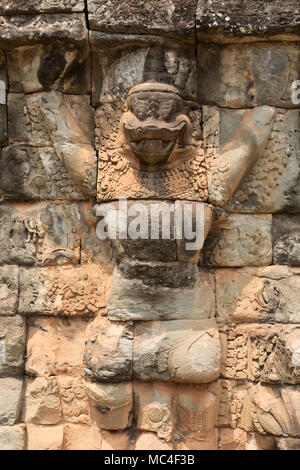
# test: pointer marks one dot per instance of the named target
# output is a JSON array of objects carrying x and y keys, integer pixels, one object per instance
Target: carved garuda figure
[{"x": 155, "y": 155}]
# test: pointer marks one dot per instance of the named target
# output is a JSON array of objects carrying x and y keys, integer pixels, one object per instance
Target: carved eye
[
  {"x": 140, "y": 109},
  {"x": 167, "y": 108}
]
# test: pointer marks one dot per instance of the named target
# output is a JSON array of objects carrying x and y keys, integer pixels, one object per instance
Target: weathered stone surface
[
  {"x": 232, "y": 439},
  {"x": 49, "y": 400},
  {"x": 66, "y": 291},
  {"x": 269, "y": 294},
  {"x": 271, "y": 184},
  {"x": 184, "y": 351},
  {"x": 150, "y": 441},
  {"x": 269, "y": 353},
  {"x": 172, "y": 17},
  {"x": 155, "y": 231},
  {"x": 35, "y": 173},
  {"x": 57, "y": 66},
  {"x": 111, "y": 405},
  {"x": 51, "y": 155},
  {"x": 186, "y": 410},
  {"x": 3, "y": 107},
  {"x": 30, "y": 29},
  {"x": 93, "y": 250},
  {"x": 10, "y": 400},
  {"x": 154, "y": 408},
  {"x": 74, "y": 400},
  {"x": 286, "y": 239},
  {"x": 55, "y": 346},
  {"x": 42, "y": 401},
  {"x": 15, "y": 7},
  {"x": 3, "y": 124},
  {"x": 156, "y": 299},
  {"x": 115, "y": 440},
  {"x": 288, "y": 443},
  {"x": 9, "y": 285},
  {"x": 45, "y": 437},
  {"x": 42, "y": 234},
  {"x": 150, "y": 153},
  {"x": 245, "y": 75},
  {"x": 42, "y": 118},
  {"x": 121, "y": 61},
  {"x": 82, "y": 437},
  {"x": 12, "y": 437},
  {"x": 239, "y": 20},
  {"x": 87, "y": 117},
  {"x": 209, "y": 442},
  {"x": 275, "y": 411},
  {"x": 239, "y": 240},
  {"x": 12, "y": 345},
  {"x": 108, "y": 351},
  {"x": 234, "y": 409}
]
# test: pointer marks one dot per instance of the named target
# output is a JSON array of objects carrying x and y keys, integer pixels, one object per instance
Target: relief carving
[{"x": 154, "y": 155}]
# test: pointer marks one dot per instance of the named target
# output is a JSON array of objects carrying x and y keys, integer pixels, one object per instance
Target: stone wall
[{"x": 66, "y": 67}]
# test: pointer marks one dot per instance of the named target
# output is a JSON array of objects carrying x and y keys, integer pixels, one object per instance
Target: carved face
[{"x": 154, "y": 125}]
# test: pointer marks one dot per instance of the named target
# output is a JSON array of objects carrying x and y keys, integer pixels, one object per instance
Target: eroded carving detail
[{"x": 154, "y": 155}]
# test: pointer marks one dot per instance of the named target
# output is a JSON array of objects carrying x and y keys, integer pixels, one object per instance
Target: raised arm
[{"x": 239, "y": 155}]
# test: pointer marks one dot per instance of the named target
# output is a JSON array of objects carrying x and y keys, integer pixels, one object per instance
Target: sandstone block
[
  {"x": 10, "y": 400},
  {"x": 154, "y": 408},
  {"x": 275, "y": 411},
  {"x": 12, "y": 345},
  {"x": 253, "y": 295},
  {"x": 27, "y": 29},
  {"x": 271, "y": 185},
  {"x": 286, "y": 239},
  {"x": 241, "y": 21},
  {"x": 210, "y": 442},
  {"x": 115, "y": 440},
  {"x": 57, "y": 66},
  {"x": 288, "y": 443},
  {"x": 9, "y": 285},
  {"x": 108, "y": 351},
  {"x": 55, "y": 346},
  {"x": 45, "y": 437},
  {"x": 82, "y": 437},
  {"x": 3, "y": 108},
  {"x": 42, "y": 401},
  {"x": 151, "y": 230},
  {"x": 234, "y": 409},
  {"x": 49, "y": 400},
  {"x": 43, "y": 234},
  {"x": 12, "y": 437},
  {"x": 138, "y": 58},
  {"x": 42, "y": 118},
  {"x": 184, "y": 351},
  {"x": 245, "y": 75},
  {"x": 188, "y": 410},
  {"x": 173, "y": 18},
  {"x": 74, "y": 400},
  {"x": 111, "y": 405},
  {"x": 269, "y": 353},
  {"x": 66, "y": 291},
  {"x": 239, "y": 240},
  {"x": 149, "y": 441},
  {"x": 232, "y": 439},
  {"x": 15, "y": 7},
  {"x": 35, "y": 173},
  {"x": 152, "y": 298}
]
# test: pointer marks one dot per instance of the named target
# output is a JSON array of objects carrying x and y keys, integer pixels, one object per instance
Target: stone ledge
[
  {"x": 31, "y": 29},
  {"x": 17, "y": 7},
  {"x": 169, "y": 18},
  {"x": 244, "y": 21}
]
